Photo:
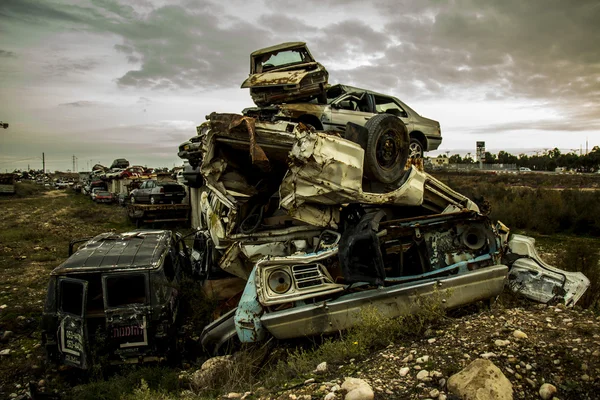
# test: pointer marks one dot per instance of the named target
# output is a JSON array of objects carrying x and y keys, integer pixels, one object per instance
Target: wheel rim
[
  {"x": 132, "y": 200},
  {"x": 415, "y": 150},
  {"x": 152, "y": 200},
  {"x": 387, "y": 150}
]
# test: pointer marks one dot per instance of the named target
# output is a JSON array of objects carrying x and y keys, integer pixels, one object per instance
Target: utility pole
[{"x": 43, "y": 163}]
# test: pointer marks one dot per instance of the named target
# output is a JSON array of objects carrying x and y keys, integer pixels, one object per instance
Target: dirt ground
[{"x": 34, "y": 237}]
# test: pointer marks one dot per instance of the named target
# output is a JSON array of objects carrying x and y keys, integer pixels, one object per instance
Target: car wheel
[
  {"x": 153, "y": 200},
  {"x": 132, "y": 200},
  {"x": 415, "y": 149},
  {"x": 387, "y": 148}
]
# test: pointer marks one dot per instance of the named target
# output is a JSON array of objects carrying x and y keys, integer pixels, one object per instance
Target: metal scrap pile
[{"x": 300, "y": 228}]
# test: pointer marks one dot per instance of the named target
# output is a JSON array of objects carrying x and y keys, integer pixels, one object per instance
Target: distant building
[{"x": 440, "y": 161}]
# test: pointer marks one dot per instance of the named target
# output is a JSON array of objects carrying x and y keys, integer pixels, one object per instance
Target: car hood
[{"x": 276, "y": 78}]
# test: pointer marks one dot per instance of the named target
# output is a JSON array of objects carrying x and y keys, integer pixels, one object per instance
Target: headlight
[{"x": 280, "y": 281}]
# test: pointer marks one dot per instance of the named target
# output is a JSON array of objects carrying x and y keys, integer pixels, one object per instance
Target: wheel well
[
  {"x": 312, "y": 120},
  {"x": 420, "y": 137}
]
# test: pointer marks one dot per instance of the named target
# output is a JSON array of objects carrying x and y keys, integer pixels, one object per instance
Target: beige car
[
  {"x": 284, "y": 73},
  {"x": 349, "y": 104}
]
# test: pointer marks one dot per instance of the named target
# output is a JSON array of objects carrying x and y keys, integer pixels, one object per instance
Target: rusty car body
[
  {"x": 306, "y": 239},
  {"x": 116, "y": 296},
  {"x": 350, "y": 104},
  {"x": 286, "y": 72}
]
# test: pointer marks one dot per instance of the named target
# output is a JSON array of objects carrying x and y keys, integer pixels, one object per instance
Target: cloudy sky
[{"x": 105, "y": 79}]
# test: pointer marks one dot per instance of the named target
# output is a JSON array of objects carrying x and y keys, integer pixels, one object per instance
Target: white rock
[
  {"x": 547, "y": 391},
  {"x": 481, "y": 380},
  {"x": 487, "y": 355},
  {"x": 234, "y": 395},
  {"x": 335, "y": 388},
  {"x": 501, "y": 343},
  {"x": 309, "y": 381},
  {"x": 408, "y": 358},
  {"x": 322, "y": 367},
  {"x": 431, "y": 341},
  {"x": 358, "y": 389},
  {"x": 434, "y": 394},
  {"x": 329, "y": 396},
  {"x": 404, "y": 371},
  {"x": 442, "y": 396},
  {"x": 423, "y": 375},
  {"x": 5, "y": 352},
  {"x": 519, "y": 334}
]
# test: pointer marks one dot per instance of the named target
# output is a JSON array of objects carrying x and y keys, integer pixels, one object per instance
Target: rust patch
[
  {"x": 417, "y": 162},
  {"x": 228, "y": 122}
]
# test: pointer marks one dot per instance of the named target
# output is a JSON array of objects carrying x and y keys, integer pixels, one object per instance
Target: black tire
[
  {"x": 387, "y": 148},
  {"x": 415, "y": 148}
]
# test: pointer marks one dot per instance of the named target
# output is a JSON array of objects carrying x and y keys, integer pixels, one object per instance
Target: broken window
[
  {"x": 71, "y": 297},
  {"x": 282, "y": 58},
  {"x": 388, "y": 105},
  {"x": 125, "y": 289}
]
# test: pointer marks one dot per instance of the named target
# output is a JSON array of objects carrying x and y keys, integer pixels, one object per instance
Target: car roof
[
  {"x": 281, "y": 46},
  {"x": 135, "y": 250}
]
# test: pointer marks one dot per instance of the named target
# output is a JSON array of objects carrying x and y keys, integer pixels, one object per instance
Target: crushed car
[
  {"x": 298, "y": 230},
  {"x": 350, "y": 104},
  {"x": 284, "y": 73},
  {"x": 116, "y": 296}
]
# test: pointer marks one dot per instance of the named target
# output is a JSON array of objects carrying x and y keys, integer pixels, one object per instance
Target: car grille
[{"x": 309, "y": 275}]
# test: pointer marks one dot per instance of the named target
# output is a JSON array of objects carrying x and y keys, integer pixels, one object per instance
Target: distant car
[
  {"x": 524, "y": 169},
  {"x": 94, "y": 192},
  {"x": 116, "y": 297},
  {"x": 131, "y": 172},
  {"x": 156, "y": 192},
  {"x": 119, "y": 163},
  {"x": 350, "y": 104},
  {"x": 284, "y": 73},
  {"x": 104, "y": 197}
]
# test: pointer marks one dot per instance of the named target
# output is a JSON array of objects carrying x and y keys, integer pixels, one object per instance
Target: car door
[
  {"x": 147, "y": 188},
  {"x": 352, "y": 107},
  {"x": 72, "y": 331},
  {"x": 385, "y": 104}
]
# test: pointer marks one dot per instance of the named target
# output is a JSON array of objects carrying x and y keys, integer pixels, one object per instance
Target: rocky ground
[{"x": 530, "y": 345}]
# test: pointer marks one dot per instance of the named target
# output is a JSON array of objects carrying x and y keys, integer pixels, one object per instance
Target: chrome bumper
[{"x": 393, "y": 301}]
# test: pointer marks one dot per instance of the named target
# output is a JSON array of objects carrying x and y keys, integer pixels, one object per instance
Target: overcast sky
[{"x": 106, "y": 79}]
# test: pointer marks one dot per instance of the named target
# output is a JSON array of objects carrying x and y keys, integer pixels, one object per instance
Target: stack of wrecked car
[{"x": 298, "y": 229}]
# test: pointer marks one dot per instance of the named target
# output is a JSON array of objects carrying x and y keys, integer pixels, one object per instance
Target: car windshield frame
[{"x": 259, "y": 61}]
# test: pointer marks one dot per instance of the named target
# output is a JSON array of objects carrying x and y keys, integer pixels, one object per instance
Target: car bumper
[
  {"x": 394, "y": 301},
  {"x": 433, "y": 142}
]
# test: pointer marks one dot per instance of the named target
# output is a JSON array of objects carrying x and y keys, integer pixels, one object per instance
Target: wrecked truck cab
[
  {"x": 116, "y": 296},
  {"x": 286, "y": 72}
]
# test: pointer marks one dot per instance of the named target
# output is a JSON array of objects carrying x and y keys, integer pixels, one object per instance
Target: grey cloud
[
  {"x": 65, "y": 65},
  {"x": 7, "y": 54},
  {"x": 176, "y": 47},
  {"x": 84, "y": 103}
]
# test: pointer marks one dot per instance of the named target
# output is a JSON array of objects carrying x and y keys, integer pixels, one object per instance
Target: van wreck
[
  {"x": 116, "y": 295},
  {"x": 308, "y": 234}
]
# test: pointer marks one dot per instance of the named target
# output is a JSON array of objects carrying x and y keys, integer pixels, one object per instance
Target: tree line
[{"x": 546, "y": 161}]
